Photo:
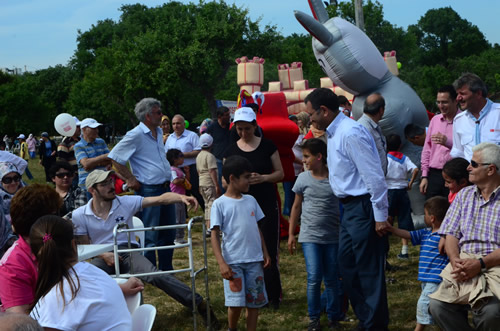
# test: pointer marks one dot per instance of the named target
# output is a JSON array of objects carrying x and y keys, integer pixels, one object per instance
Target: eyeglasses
[
  {"x": 442, "y": 102},
  {"x": 8, "y": 180},
  {"x": 474, "y": 164},
  {"x": 64, "y": 174},
  {"x": 107, "y": 182}
]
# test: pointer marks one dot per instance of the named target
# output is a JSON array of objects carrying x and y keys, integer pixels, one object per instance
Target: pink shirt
[
  {"x": 18, "y": 274},
  {"x": 436, "y": 155},
  {"x": 177, "y": 188}
]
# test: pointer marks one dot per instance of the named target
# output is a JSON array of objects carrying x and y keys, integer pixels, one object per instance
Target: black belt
[{"x": 351, "y": 198}]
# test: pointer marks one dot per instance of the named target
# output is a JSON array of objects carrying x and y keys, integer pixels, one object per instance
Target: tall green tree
[{"x": 442, "y": 35}]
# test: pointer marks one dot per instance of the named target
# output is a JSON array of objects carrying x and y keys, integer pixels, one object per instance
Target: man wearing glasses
[
  {"x": 151, "y": 175},
  {"x": 471, "y": 281},
  {"x": 62, "y": 174},
  {"x": 438, "y": 143},
  {"x": 480, "y": 120}
]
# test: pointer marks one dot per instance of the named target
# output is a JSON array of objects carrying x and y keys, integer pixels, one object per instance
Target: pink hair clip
[{"x": 47, "y": 237}]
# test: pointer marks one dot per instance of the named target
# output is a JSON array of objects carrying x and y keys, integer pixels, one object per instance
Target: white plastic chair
[
  {"x": 133, "y": 301},
  {"x": 143, "y": 318},
  {"x": 137, "y": 223}
]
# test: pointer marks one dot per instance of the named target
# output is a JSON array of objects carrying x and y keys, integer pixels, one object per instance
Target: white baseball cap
[
  {"x": 206, "y": 140},
  {"x": 245, "y": 114},
  {"x": 89, "y": 122},
  {"x": 21, "y": 136}
]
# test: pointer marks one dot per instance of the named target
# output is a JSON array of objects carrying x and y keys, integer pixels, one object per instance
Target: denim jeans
[
  {"x": 158, "y": 216},
  {"x": 321, "y": 264}
]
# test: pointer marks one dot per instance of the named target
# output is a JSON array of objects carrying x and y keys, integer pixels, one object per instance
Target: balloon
[
  {"x": 186, "y": 122},
  {"x": 399, "y": 65},
  {"x": 65, "y": 124}
]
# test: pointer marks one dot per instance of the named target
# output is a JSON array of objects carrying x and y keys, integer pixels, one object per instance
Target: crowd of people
[{"x": 350, "y": 190}]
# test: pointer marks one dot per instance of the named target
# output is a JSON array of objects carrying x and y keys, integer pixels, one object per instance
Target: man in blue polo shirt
[
  {"x": 143, "y": 147},
  {"x": 91, "y": 152}
]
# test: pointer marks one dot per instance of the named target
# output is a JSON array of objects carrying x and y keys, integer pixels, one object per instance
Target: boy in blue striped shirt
[{"x": 430, "y": 263}]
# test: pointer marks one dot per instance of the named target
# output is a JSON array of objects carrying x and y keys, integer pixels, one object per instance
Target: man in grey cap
[
  {"x": 94, "y": 223},
  {"x": 91, "y": 152}
]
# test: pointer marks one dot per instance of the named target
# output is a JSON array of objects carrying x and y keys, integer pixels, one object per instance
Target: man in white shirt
[
  {"x": 357, "y": 179},
  {"x": 95, "y": 221},
  {"x": 188, "y": 143},
  {"x": 151, "y": 174},
  {"x": 480, "y": 120}
]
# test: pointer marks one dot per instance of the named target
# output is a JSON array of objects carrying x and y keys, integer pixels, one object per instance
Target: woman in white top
[{"x": 72, "y": 295}]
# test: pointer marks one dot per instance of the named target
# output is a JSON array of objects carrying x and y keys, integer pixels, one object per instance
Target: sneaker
[
  {"x": 403, "y": 256},
  {"x": 180, "y": 241},
  {"x": 214, "y": 322},
  {"x": 314, "y": 325},
  {"x": 208, "y": 234}
]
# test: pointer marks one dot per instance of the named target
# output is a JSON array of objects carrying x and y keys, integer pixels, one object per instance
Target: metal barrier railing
[{"x": 123, "y": 227}]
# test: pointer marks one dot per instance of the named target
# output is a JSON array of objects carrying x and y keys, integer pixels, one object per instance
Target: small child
[
  {"x": 318, "y": 209},
  {"x": 177, "y": 185},
  {"x": 206, "y": 165},
  {"x": 243, "y": 248},
  {"x": 455, "y": 176},
  {"x": 398, "y": 168},
  {"x": 431, "y": 263}
]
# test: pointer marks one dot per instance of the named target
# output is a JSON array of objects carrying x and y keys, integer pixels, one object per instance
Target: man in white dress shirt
[
  {"x": 357, "y": 179},
  {"x": 480, "y": 120},
  {"x": 188, "y": 143}
]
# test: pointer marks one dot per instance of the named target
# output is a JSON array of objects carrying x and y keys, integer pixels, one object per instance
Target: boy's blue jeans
[{"x": 321, "y": 264}]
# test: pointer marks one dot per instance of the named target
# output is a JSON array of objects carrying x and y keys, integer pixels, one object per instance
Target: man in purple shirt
[
  {"x": 438, "y": 144},
  {"x": 472, "y": 230}
]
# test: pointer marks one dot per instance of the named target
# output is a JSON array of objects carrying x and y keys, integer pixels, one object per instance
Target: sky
[{"x": 36, "y": 34}]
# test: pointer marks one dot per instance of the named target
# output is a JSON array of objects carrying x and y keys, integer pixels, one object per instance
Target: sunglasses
[
  {"x": 64, "y": 174},
  {"x": 8, "y": 180},
  {"x": 474, "y": 164}
]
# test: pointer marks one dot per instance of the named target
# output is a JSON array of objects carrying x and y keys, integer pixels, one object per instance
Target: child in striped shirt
[{"x": 430, "y": 263}]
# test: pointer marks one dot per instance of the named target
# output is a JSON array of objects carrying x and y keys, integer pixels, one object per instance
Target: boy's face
[{"x": 241, "y": 184}]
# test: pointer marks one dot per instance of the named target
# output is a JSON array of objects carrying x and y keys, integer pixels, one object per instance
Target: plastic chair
[
  {"x": 138, "y": 224},
  {"x": 133, "y": 301},
  {"x": 143, "y": 318}
]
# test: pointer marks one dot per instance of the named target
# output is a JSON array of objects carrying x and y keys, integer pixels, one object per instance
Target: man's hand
[
  {"x": 292, "y": 244},
  {"x": 382, "y": 228},
  {"x": 133, "y": 183},
  {"x": 439, "y": 138},
  {"x": 466, "y": 269},
  {"x": 424, "y": 182},
  {"x": 109, "y": 258},
  {"x": 226, "y": 271},
  {"x": 132, "y": 286},
  {"x": 191, "y": 202}
]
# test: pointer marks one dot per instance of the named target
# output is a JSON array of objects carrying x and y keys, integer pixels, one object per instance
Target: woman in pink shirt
[{"x": 18, "y": 272}]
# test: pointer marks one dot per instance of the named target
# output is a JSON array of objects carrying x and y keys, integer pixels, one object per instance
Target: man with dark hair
[
  {"x": 480, "y": 120},
  {"x": 345, "y": 106},
  {"x": 47, "y": 154},
  {"x": 438, "y": 143},
  {"x": 357, "y": 179},
  {"x": 219, "y": 130},
  {"x": 415, "y": 134},
  {"x": 94, "y": 223},
  {"x": 373, "y": 110},
  {"x": 151, "y": 175}
]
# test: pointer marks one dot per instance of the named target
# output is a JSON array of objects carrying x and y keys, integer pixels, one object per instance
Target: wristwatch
[{"x": 483, "y": 265}]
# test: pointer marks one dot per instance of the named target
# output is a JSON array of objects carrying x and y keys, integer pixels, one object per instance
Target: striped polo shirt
[{"x": 430, "y": 263}]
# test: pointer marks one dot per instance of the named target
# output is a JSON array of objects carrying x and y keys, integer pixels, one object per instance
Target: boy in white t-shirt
[
  {"x": 243, "y": 254},
  {"x": 398, "y": 168}
]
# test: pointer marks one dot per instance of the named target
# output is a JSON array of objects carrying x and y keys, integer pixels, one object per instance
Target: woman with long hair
[{"x": 72, "y": 295}]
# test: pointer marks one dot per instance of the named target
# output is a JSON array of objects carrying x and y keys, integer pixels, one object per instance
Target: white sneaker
[{"x": 180, "y": 241}]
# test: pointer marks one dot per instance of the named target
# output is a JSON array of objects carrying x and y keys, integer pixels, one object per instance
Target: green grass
[{"x": 292, "y": 315}]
